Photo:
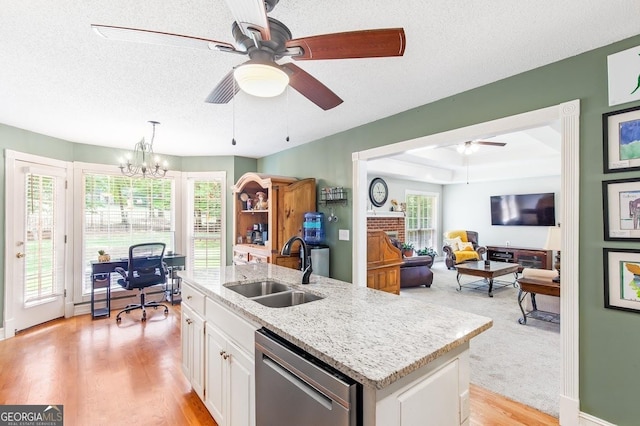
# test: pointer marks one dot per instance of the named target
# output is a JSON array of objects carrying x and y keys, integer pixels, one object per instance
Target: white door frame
[
  {"x": 568, "y": 114},
  {"x": 10, "y": 159}
]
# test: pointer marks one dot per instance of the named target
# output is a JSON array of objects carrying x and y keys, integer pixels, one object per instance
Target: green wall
[{"x": 609, "y": 348}]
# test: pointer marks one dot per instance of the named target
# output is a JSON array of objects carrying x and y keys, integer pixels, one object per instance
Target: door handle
[{"x": 20, "y": 255}]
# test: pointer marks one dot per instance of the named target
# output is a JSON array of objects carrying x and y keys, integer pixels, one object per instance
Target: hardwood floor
[{"x": 111, "y": 374}]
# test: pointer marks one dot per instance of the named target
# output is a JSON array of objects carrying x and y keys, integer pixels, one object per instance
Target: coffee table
[{"x": 488, "y": 272}]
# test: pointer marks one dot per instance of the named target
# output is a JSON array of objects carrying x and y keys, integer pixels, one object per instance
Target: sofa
[
  {"x": 461, "y": 246},
  {"x": 415, "y": 270}
]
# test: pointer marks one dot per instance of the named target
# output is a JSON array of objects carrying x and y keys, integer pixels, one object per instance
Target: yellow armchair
[{"x": 461, "y": 246}]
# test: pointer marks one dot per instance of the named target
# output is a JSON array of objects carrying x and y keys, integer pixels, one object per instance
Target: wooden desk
[
  {"x": 101, "y": 278},
  {"x": 535, "y": 286}
]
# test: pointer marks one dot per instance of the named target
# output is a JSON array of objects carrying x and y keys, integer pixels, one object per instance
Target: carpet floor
[{"x": 522, "y": 362}]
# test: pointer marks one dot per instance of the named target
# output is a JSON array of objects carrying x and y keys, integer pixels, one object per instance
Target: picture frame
[
  {"x": 621, "y": 140},
  {"x": 621, "y": 206},
  {"x": 622, "y": 279}
]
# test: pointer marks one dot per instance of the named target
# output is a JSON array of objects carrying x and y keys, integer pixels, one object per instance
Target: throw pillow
[
  {"x": 454, "y": 243},
  {"x": 465, "y": 246}
]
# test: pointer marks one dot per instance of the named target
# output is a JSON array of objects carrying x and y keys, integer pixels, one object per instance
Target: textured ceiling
[{"x": 58, "y": 78}]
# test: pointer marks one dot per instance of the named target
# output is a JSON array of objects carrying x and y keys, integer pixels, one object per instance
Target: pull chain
[
  {"x": 287, "y": 115},
  {"x": 233, "y": 115}
]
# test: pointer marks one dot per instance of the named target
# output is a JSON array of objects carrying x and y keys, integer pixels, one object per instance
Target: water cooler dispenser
[{"x": 313, "y": 229}]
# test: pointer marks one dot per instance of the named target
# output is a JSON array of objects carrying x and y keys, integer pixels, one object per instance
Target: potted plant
[
  {"x": 407, "y": 249},
  {"x": 103, "y": 256},
  {"x": 427, "y": 251}
]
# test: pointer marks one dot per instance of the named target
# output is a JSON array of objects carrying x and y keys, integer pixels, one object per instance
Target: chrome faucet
[{"x": 306, "y": 256}]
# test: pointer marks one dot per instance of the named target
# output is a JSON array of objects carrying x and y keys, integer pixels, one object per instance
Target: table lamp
[{"x": 554, "y": 242}]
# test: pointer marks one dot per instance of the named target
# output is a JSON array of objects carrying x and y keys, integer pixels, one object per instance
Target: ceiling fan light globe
[{"x": 261, "y": 80}]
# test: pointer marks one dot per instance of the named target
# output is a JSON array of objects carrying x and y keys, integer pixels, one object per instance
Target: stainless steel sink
[
  {"x": 287, "y": 298},
  {"x": 260, "y": 288}
]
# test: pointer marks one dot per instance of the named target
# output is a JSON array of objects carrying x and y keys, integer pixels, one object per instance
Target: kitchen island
[{"x": 411, "y": 358}]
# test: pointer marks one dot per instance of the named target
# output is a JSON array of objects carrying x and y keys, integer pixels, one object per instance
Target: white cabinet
[
  {"x": 192, "y": 342},
  {"x": 229, "y": 380},
  {"x": 217, "y": 358},
  {"x": 439, "y": 392},
  {"x": 229, "y": 366}
]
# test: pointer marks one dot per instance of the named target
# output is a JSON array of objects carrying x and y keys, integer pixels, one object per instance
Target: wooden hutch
[{"x": 287, "y": 200}]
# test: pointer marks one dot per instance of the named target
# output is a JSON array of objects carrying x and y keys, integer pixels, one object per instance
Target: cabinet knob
[
  {"x": 189, "y": 297},
  {"x": 20, "y": 255},
  {"x": 189, "y": 321},
  {"x": 226, "y": 356}
]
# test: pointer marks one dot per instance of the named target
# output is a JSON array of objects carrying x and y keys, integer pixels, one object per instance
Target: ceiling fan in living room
[
  {"x": 266, "y": 41},
  {"x": 469, "y": 147}
]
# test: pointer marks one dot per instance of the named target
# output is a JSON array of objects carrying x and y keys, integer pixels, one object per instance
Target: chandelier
[{"x": 143, "y": 163}]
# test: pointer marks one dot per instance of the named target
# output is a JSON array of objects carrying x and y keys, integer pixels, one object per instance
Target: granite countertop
[{"x": 373, "y": 337}]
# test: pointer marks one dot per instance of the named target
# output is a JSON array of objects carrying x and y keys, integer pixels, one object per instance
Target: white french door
[{"x": 36, "y": 244}]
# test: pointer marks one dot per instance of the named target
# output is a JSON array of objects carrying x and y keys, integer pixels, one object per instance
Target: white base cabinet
[
  {"x": 436, "y": 394},
  {"x": 230, "y": 366},
  {"x": 218, "y": 358},
  {"x": 229, "y": 380},
  {"x": 192, "y": 342}
]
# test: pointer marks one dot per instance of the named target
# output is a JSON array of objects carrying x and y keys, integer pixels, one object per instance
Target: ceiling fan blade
[
  {"x": 489, "y": 143},
  {"x": 251, "y": 17},
  {"x": 157, "y": 37},
  {"x": 354, "y": 44},
  {"x": 224, "y": 91},
  {"x": 311, "y": 88}
]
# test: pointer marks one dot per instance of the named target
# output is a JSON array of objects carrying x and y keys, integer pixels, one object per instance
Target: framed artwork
[
  {"x": 621, "y": 206},
  {"x": 622, "y": 279},
  {"x": 621, "y": 136}
]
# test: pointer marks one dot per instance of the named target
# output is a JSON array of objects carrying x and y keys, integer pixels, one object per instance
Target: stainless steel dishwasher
[{"x": 295, "y": 388}]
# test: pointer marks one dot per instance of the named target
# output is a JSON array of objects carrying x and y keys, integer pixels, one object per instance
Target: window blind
[{"x": 120, "y": 211}]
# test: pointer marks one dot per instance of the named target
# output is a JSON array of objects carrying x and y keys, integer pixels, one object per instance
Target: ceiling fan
[
  {"x": 469, "y": 147},
  {"x": 265, "y": 41}
]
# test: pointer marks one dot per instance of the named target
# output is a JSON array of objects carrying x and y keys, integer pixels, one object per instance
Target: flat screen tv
[{"x": 523, "y": 210}]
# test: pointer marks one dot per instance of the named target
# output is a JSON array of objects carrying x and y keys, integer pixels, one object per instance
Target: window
[
  {"x": 420, "y": 220},
  {"x": 206, "y": 221},
  {"x": 119, "y": 211},
  {"x": 43, "y": 265}
]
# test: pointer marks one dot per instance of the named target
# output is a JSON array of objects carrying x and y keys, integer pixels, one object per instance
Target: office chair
[{"x": 146, "y": 268}]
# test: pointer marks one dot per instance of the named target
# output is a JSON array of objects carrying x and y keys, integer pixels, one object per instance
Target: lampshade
[
  {"x": 260, "y": 79},
  {"x": 554, "y": 239}
]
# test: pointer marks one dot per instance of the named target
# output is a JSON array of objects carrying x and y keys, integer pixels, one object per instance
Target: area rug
[{"x": 521, "y": 362}]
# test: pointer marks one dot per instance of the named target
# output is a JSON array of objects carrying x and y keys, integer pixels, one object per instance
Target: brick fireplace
[{"x": 394, "y": 226}]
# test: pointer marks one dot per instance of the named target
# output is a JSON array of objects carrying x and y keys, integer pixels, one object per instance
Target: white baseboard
[
  {"x": 569, "y": 411},
  {"x": 2, "y": 336},
  {"x": 589, "y": 420}
]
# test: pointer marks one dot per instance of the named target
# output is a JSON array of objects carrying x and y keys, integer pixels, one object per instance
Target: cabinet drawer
[
  {"x": 257, "y": 258},
  {"x": 233, "y": 325},
  {"x": 193, "y": 298},
  {"x": 240, "y": 257}
]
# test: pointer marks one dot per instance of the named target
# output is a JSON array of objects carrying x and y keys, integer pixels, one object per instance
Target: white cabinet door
[
  {"x": 241, "y": 387},
  {"x": 215, "y": 380},
  {"x": 193, "y": 348},
  {"x": 229, "y": 380}
]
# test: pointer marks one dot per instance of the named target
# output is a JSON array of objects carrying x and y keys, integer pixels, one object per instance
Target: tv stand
[{"x": 525, "y": 256}]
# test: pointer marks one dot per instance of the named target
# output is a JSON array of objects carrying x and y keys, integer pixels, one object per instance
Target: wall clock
[{"x": 378, "y": 192}]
